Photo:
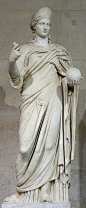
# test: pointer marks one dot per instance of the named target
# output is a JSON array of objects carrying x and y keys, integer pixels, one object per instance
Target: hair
[{"x": 44, "y": 12}]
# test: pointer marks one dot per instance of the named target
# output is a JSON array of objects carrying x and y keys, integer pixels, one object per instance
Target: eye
[
  {"x": 48, "y": 24},
  {"x": 41, "y": 23}
]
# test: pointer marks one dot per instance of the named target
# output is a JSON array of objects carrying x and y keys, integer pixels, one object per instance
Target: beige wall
[{"x": 69, "y": 30}]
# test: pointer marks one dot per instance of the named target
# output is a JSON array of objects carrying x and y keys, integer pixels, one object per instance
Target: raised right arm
[
  {"x": 16, "y": 66},
  {"x": 14, "y": 55}
]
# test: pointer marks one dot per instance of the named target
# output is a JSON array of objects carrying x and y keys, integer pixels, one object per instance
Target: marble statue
[{"x": 48, "y": 115}]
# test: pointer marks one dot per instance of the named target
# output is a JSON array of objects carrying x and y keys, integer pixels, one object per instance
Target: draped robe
[{"x": 47, "y": 128}]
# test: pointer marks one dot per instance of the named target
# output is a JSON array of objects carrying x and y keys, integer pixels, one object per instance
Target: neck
[{"x": 41, "y": 41}]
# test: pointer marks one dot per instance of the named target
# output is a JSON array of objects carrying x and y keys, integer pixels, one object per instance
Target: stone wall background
[{"x": 68, "y": 29}]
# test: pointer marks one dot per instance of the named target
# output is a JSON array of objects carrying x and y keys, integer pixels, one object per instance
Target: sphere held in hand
[{"x": 73, "y": 74}]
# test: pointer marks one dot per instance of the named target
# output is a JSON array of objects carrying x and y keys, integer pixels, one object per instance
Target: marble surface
[
  {"x": 37, "y": 205},
  {"x": 64, "y": 14}
]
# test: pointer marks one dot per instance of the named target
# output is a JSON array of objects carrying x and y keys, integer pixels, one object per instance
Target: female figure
[{"x": 46, "y": 130}]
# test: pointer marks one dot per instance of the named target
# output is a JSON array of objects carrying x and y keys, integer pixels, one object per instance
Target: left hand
[
  {"x": 74, "y": 82},
  {"x": 73, "y": 76}
]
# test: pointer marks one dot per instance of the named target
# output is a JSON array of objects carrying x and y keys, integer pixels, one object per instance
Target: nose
[{"x": 45, "y": 26}]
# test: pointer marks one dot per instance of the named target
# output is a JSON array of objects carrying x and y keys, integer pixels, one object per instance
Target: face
[{"x": 43, "y": 27}]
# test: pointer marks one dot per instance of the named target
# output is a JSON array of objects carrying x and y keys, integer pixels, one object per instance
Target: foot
[
  {"x": 45, "y": 198},
  {"x": 12, "y": 199}
]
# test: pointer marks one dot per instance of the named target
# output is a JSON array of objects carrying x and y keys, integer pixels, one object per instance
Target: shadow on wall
[
  {"x": 9, "y": 125},
  {"x": 82, "y": 156},
  {"x": 4, "y": 108}
]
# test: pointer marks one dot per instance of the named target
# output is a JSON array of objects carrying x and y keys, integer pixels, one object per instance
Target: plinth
[{"x": 37, "y": 205}]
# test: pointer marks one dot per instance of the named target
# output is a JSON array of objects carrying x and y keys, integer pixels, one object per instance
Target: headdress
[{"x": 44, "y": 12}]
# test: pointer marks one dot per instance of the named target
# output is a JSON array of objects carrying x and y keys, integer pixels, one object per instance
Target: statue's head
[{"x": 43, "y": 13}]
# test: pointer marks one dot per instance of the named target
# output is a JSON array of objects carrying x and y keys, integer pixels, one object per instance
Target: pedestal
[{"x": 37, "y": 205}]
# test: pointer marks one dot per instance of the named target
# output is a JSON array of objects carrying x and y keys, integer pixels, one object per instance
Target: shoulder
[
  {"x": 25, "y": 48},
  {"x": 60, "y": 47},
  {"x": 63, "y": 50},
  {"x": 63, "y": 53}
]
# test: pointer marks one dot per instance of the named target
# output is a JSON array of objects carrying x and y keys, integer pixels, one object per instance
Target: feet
[{"x": 16, "y": 198}]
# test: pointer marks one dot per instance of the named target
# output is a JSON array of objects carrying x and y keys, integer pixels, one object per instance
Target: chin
[{"x": 44, "y": 35}]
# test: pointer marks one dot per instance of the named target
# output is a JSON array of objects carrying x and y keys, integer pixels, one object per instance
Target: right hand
[{"x": 15, "y": 53}]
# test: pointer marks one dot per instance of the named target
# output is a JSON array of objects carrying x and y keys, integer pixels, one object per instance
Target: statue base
[{"x": 37, "y": 205}]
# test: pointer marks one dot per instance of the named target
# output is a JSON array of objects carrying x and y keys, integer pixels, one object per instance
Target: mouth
[{"x": 44, "y": 31}]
